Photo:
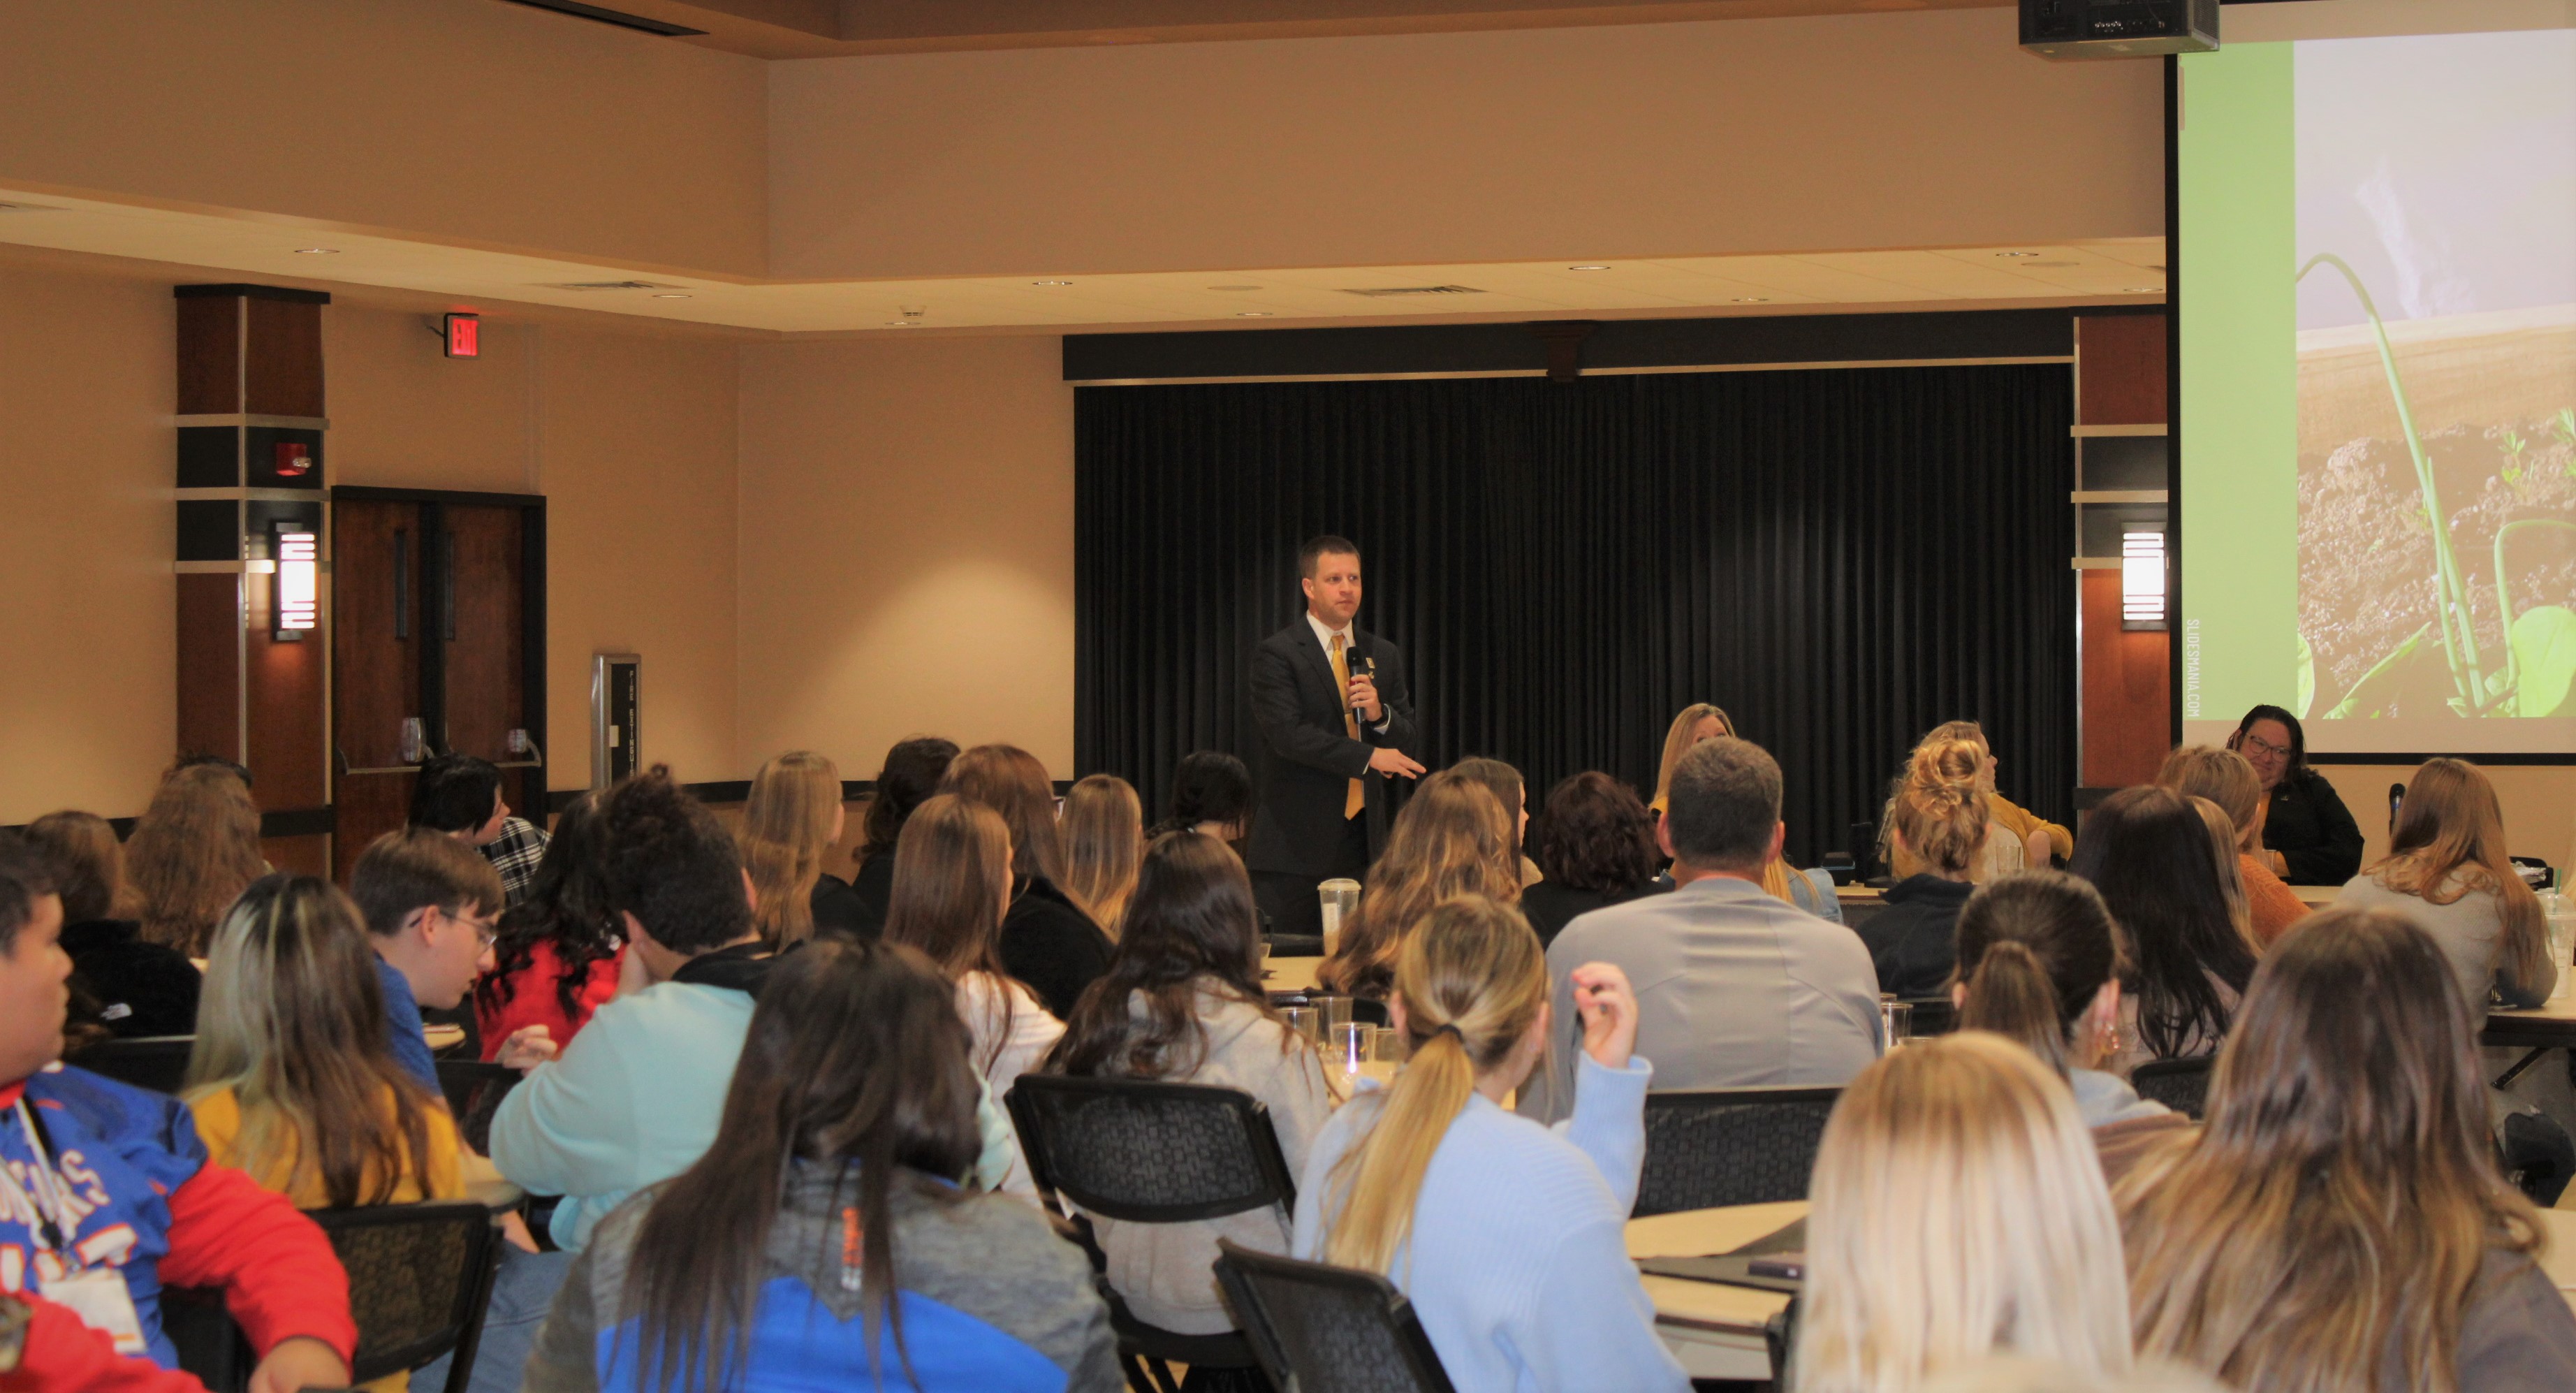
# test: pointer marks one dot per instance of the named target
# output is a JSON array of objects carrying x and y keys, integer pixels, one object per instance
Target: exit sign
[{"x": 464, "y": 336}]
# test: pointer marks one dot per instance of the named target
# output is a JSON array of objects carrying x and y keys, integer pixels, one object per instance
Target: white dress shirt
[{"x": 1350, "y": 645}]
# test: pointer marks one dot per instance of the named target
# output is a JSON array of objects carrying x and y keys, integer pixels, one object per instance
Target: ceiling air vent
[
  {"x": 612, "y": 285},
  {"x": 1417, "y": 290},
  {"x": 604, "y": 15}
]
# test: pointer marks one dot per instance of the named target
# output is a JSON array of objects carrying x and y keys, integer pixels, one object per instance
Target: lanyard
[{"x": 52, "y": 1214}]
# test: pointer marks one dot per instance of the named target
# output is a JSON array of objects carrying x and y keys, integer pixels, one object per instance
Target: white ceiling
[{"x": 2107, "y": 271}]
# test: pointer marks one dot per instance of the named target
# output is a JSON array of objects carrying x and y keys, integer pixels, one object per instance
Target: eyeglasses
[
  {"x": 2257, "y": 745},
  {"x": 486, "y": 931}
]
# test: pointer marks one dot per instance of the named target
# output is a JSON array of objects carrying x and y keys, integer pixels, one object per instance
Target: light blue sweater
[{"x": 1518, "y": 1266}]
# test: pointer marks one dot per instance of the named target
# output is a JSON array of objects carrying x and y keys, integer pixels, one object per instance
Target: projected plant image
[{"x": 2438, "y": 570}]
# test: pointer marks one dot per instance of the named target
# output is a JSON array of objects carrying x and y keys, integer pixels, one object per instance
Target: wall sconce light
[
  {"x": 2142, "y": 580},
  {"x": 299, "y": 590}
]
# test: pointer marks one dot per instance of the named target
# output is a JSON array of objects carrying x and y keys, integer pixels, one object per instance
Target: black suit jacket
[{"x": 1310, "y": 756}]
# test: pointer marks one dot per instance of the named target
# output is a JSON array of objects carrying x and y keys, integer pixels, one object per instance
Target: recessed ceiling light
[
  {"x": 670, "y": 295},
  {"x": 2016, "y": 253},
  {"x": 317, "y": 251},
  {"x": 900, "y": 323},
  {"x": 1587, "y": 268},
  {"x": 1750, "y": 300},
  {"x": 2144, "y": 290},
  {"x": 1252, "y": 314},
  {"x": 1050, "y": 282}
]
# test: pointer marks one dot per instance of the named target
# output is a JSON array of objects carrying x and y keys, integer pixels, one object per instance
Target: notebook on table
[{"x": 1774, "y": 1262}]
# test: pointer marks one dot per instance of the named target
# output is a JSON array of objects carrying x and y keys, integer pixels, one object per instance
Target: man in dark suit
[{"x": 1335, "y": 718}]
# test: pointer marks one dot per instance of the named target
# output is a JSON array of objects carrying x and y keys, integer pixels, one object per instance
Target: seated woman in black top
[
  {"x": 121, "y": 984},
  {"x": 1939, "y": 814},
  {"x": 1211, "y": 793},
  {"x": 1048, "y": 938},
  {"x": 913, "y": 769},
  {"x": 1596, "y": 848},
  {"x": 2309, "y": 837}
]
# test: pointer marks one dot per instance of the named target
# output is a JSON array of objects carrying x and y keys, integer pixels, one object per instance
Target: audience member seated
[
  {"x": 2150, "y": 856},
  {"x": 1183, "y": 1003},
  {"x": 1957, "y": 1212},
  {"x": 2339, "y": 1221},
  {"x": 1697, "y": 724},
  {"x": 111, "y": 1197},
  {"x": 634, "y": 1101},
  {"x": 952, "y": 888},
  {"x": 791, "y": 821},
  {"x": 1104, "y": 836},
  {"x": 1211, "y": 793},
  {"x": 291, "y": 1080},
  {"x": 2225, "y": 778},
  {"x": 2309, "y": 837},
  {"x": 1452, "y": 838},
  {"x": 1049, "y": 941},
  {"x": 823, "y": 1239},
  {"x": 2018, "y": 837},
  {"x": 1938, "y": 819},
  {"x": 1507, "y": 1236},
  {"x": 192, "y": 853},
  {"x": 1512, "y": 792},
  {"x": 2039, "y": 962},
  {"x": 911, "y": 773},
  {"x": 460, "y": 795},
  {"x": 1739, "y": 989},
  {"x": 122, "y": 984},
  {"x": 2231, "y": 873},
  {"x": 1596, "y": 849},
  {"x": 557, "y": 957},
  {"x": 430, "y": 904},
  {"x": 2446, "y": 870}
]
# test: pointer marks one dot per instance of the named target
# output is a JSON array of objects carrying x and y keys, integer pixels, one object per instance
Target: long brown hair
[
  {"x": 2448, "y": 841},
  {"x": 853, "y": 1074},
  {"x": 2224, "y": 778},
  {"x": 89, "y": 865},
  {"x": 2336, "y": 1206},
  {"x": 1191, "y": 928},
  {"x": 1678, "y": 742},
  {"x": 787, "y": 827},
  {"x": 193, "y": 851},
  {"x": 2035, "y": 948},
  {"x": 1450, "y": 840},
  {"x": 2150, "y": 855},
  {"x": 1509, "y": 791},
  {"x": 1104, "y": 837},
  {"x": 911, "y": 773},
  {"x": 293, "y": 1023},
  {"x": 1473, "y": 984},
  {"x": 1010, "y": 781},
  {"x": 952, "y": 884},
  {"x": 1939, "y": 807}
]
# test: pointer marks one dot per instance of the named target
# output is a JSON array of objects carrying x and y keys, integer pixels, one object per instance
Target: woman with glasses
[{"x": 2309, "y": 837}]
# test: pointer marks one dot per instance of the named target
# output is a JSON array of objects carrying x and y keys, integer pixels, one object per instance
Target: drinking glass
[
  {"x": 1896, "y": 1021},
  {"x": 1351, "y": 1047},
  {"x": 1340, "y": 898},
  {"x": 1305, "y": 1020},
  {"x": 1337, "y": 1012}
]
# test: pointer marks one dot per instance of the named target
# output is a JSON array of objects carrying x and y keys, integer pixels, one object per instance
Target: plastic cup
[
  {"x": 1340, "y": 899},
  {"x": 1352, "y": 1047},
  {"x": 1305, "y": 1020},
  {"x": 1896, "y": 1021}
]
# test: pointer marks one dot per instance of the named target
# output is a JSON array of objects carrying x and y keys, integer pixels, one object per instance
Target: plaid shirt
[{"x": 515, "y": 854}]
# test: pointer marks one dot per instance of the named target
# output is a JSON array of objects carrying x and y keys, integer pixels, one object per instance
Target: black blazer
[
  {"x": 1309, "y": 756},
  {"x": 2312, "y": 829}
]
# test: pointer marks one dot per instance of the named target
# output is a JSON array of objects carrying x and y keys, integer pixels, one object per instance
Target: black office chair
[
  {"x": 1320, "y": 1329},
  {"x": 474, "y": 1090},
  {"x": 156, "y": 1062},
  {"x": 420, "y": 1279},
  {"x": 1730, "y": 1146},
  {"x": 2180, "y": 1084},
  {"x": 1147, "y": 1152},
  {"x": 1931, "y": 1015}
]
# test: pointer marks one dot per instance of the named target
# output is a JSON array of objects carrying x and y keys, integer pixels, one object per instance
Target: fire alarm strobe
[
  {"x": 464, "y": 336},
  {"x": 2118, "y": 28}
]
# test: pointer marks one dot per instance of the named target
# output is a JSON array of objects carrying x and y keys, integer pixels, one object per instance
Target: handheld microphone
[{"x": 1368, "y": 668}]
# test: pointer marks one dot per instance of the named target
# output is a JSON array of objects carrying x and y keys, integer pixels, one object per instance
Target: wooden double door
[{"x": 437, "y": 647}]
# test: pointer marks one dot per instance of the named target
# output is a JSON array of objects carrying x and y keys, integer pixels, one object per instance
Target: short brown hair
[
  {"x": 88, "y": 862},
  {"x": 417, "y": 868},
  {"x": 1317, "y": 548},
  {"x": 1723, "y": 804},
  {"x": 1597, "y": 836}
]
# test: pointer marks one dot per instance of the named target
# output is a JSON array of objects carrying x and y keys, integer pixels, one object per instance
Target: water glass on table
[
  {"x": 1355, "y": 1048},
  {"x": 1895, "y": 1020},
  {"x": 1305, "y": 1020}
]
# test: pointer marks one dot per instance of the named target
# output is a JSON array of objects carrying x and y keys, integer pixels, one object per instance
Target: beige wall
[
  {"x": 460, "y": 120},
  {"x": 2539, "y": 802},
  {"x": 1852, "y": 132},
  {"x": 907, "y": 558},
  {"x": 87, "y": 709}
]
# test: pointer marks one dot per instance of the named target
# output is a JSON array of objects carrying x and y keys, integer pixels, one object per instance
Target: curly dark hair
[
  {"x": 913, "y": 769},
  {"x": 1597, "y": 836},
  {"x": 671, "y": 864},
  {"x": 1209, "y": 786},
  {"x": 567, "y": 905}
]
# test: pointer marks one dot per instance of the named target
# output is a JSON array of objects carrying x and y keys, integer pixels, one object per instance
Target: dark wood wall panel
[
  {"x": 306, "y": 855},
  {"x": 209, "y": 665},
  {"x": 2120, "y": 369},
  {"x": 209, "y": 356},
  {"x": 285, "y": 369},
  {"x": 2127, "y": 699},
  {"x": 284, "y": 689},
  {"x": 486, "y": 659},
  {"x": 375, "y": 671}
]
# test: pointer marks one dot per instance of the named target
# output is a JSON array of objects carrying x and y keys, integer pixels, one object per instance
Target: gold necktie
[{"x": 1358, "y": 797}]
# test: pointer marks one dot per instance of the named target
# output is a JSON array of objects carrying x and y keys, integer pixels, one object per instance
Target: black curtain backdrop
[{"x": 1842, "y": 558}]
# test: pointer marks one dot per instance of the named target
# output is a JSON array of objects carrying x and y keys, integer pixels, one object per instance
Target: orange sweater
[{"x": 2275, "y": 907}]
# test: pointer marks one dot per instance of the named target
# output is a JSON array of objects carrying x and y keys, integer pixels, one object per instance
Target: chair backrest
[
  {"x": 1149, "y": 1152},
  {"x": 1931, "y": 1015},
  {"x": 1730, "y": 1146},
  {"x": 1320, "y": 1329},
  {"x": 420, "y": 1276},
  {"x": 2180, "y": 1084},
  {"x": 474, "y": 1091},
  {"x": 156, "y": 1062}
]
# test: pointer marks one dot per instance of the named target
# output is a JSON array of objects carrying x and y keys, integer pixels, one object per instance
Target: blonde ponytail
[{"x": 1473, "y": 983}]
